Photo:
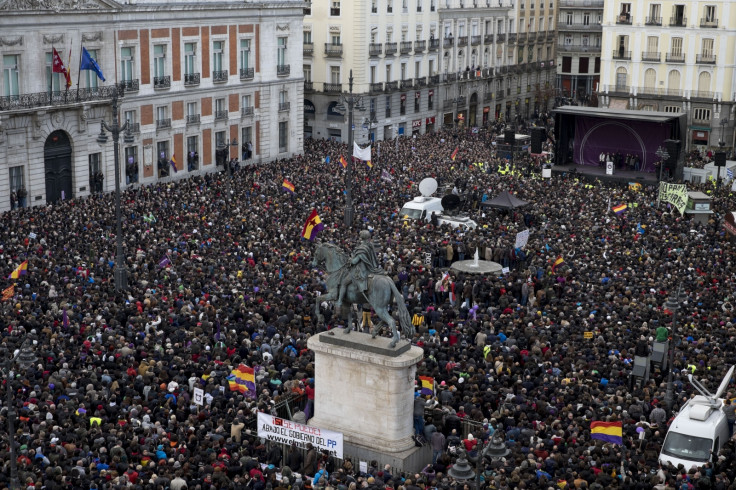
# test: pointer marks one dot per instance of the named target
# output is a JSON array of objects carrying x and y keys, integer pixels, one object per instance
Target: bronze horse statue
[{"x": 380, "y": 294}]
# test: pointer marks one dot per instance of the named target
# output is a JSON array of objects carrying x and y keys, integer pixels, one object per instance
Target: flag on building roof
[
  {"x": 607, "y": 431},
  {"x": 243, "y": 379},
  {"x": 59, "y": 67},
  {"x": 288, "y": 186},
  {"x": 312, "y": 226},
  {"x": 343, "y": 162},
  {"x": 454, "y": 153},
  {"x": 8, "y": 292},
  {"x": 89, "y": 63},
  {"x": 21, "y": 270},
  {"x": 620, "y": 208},
  {"x": 173, "y": 162},
  {"x": 427, "y": 385}
]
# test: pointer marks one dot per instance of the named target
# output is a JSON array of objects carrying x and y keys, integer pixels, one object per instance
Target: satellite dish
[
  {"x": 724, "y": 383},
  {"x": 450, "y": 202},
  {"x": 427, "y": 187}
]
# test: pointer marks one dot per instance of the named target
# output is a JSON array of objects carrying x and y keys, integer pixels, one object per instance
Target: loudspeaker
[
  {"x": 538, "y": 137},
  {"x": 509, "y": 137},
  {"x": 720, "y": 159},
  {"x": 674, "y": 164}
]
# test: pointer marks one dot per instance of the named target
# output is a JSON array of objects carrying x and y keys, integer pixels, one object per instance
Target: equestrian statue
[{"x": 359, "y": 279}]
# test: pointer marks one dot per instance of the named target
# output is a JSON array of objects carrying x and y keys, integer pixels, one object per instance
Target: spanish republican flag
[
  {"x": 607, "y": 432},
  {"x": 619, "y": 209},
  {"x": 242, "y": 379},
  {"x": 344, "y": 162},
  {"x": 312, "y": 226},
  {"x": 368, "y": 162},
  {"x": 558, "y": 262},
  {"x": 21, "y": 270},
  {"x": 288, "y": 186},
  {"x": 427, "y": 385},
  {"x": 454, "y": 153}
]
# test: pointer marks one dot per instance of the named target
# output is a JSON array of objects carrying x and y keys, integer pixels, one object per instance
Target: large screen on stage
[{"x": 595, "y": 135}]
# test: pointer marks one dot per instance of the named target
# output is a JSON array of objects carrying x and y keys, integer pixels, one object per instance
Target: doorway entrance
[{"x": 57, "y": 156}]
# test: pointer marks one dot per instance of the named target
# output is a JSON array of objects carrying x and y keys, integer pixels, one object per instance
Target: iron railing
[
  {"x": 475, "y": 40},
  {"x": 434, "y": 79},
  {"x": 405, "y": 84},
  {"x": 162, "y": 82},
  {"x": 620, "y": 54},
  {"x": 376, "y": 87},
  {"x": 219, "y": 76},
  {"x": 193, "y": 118},
  {"x": 333, "y": 87},
  {"x": 390, "y": 86},
  {"x": 283, "y": 70},
  {"x": 448, "y": 42},
  {"x": 247, "y": 73},
  {"x": 706, "y": 59},
  {"x": 653, "y": 21},
  {"x": 68, "y": 97},
  {"x": 247, "y": 111},
  {"x": 434, "y": 44},
  {"x": 405, "y": 47},
  {"x": 651, "y": 56},
  {"x": 675, "y": 57},
  {"x": 391, "y": 48},
  {"x": 420, "y": 46},
  {"x": 678, "y": 21},
  {"x": 420, "y": 82},
  {"x": 333, "y": 50},
  {"x": 375, "y": 49},
  {"x": 284, "y": 106},
  {"x": 220, "y": 115},
  {"x": 130, "y": 85},
  {"x": 709, "y": 23},
  {"x": 163, "y": 123},
  {"x": 191, "y": 79},
  {"x": 308, "y": 49},
  {"x": 462, "y": 41}
]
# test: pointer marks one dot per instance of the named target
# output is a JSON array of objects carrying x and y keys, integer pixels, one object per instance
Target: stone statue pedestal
[{"x": 365, "y": 390}]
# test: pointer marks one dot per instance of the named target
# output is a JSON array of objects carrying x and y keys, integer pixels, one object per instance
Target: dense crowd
[{"x": 108, "y": 403}]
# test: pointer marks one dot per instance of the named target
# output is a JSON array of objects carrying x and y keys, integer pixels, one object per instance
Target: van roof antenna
[{"x": 712, "y": 397}]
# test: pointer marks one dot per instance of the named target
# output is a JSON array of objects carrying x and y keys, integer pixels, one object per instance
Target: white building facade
[
  {"x": 203, "y": 83},
  {"x": 673, "y": 57},
  {"x": 579, "y": 31}
]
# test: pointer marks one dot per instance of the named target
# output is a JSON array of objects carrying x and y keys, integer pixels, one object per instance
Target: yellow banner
[{"x": 675, "y": 194}]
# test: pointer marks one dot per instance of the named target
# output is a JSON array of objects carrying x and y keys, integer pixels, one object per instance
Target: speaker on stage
[
  {"x": 538, "y": 137},
  {"x": 509, "y": 136},
  {"x": 720, "y": 159},
  {"x": 674, "y": 164}
]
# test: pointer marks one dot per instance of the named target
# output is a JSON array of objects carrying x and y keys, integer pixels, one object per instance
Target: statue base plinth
[{"x": 365, "y": 390}]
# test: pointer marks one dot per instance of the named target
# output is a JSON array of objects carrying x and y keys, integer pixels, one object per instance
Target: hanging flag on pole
[
  {"x": 21, "y": 270},
  {"x": 607, "y": 431},
  {"x": 59, "y": 67},
  {"x": 312, "y": 226},
  {"x": 620, "y": 208},
  {"x": 243, "y": 379},
  {"x": 368, "y": 162},
  {"x": 343, "y": 162},
  {"x": 88, "y": 63},
  {"x": 454, "y": 153},
  {"x": 288, "y": 186}
]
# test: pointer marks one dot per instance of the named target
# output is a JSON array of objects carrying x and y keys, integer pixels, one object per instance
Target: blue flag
[{"x": 89, "y": 63}]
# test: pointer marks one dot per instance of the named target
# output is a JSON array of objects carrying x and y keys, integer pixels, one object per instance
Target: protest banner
[
  {"x": 675, "y": 194},
  {"x": 285, "y": 431},
  {"x": 521, "y": 239}
]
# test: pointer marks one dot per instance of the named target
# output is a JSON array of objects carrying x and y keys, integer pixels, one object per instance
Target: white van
[
  {"x": 421, "y": 208},
  {"x": 700, "y": 429}
]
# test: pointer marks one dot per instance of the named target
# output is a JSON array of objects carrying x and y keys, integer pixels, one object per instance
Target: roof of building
[{"x": 617, "y": 113}]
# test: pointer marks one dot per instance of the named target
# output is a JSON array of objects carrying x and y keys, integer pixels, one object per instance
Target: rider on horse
[{"x": 364, "y": 262}]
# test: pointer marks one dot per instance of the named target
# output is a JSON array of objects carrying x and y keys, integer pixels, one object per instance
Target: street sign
[{"x": 198, "y": 396}]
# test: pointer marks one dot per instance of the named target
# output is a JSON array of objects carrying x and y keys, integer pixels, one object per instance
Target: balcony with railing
[
  {"x": 420, "y": 46},
  {"x": 653, "y": 21},
  {"x": 499, "y": 94},
  {"x": 709, "y": 23},
  {"x": 578, "y": 48},
  {"x": 219, "y": 76},
  {"x": 376, "y": 87},
  {"x": 705, "y": 59},
  {"x": 488, "y": 39},
  {"x": 333, "y": 50},
  {"x": 532, "y": 36},
  {"x": 221, "y": 115},
  {"x": 447, "y": 103},
  {"x": 434, "y": 44},
  {"x": 678, "y": 21},
  {"x": 375, "y": 49},
  {"x": 191, "y": 79},
  {"x": 620, "y": 89},
  {"x": 651, "y": 56},
  {"x": 391, "y": 86},
  {"x": 247, "y": 111},
  {"x": 521, "y": 37},
  {"x": 620, "y": 54},
  {"x": 247, "y": 73},
  {"x": 308, "y": 49},
  {"x": 448, "y": 42},
  {"x": 450, "y": 77},
  {"x": 62, "y": 98},
  {"x": 405, "y": 47},
  {"x": 308, "y": 86},
  {"x": 461, "y": 100},
  {"x": 434, "y": 79},
  {"x": 391, "y": 48},
  {"x": 420, "y": 82},
  {"x": 284, "y": 106},
  {"x": 283, "y": 70},
  {"x": 163, "y": 123},
  {"x": 475, "y": 40},
  {"x": 580, "y": 26},
  {"x": 462, "y": 41},
  {"x": 130, "y": 85},
  {"x": 193, "y": 118},
  {"x": 332, "y": 88},
  {"x": 701, "y": 94},
  {"x": 501, "y": 38},
  {"x": 511, "y": 37},
  {"x": 135, "y": 128},
  {"x": 405, "y": 84},
  {"x": 624, "y": 19},
  {"x": 595, "y": 4},
  {"x": 162, "y": 82},
  {"x": 487, "y": 96},
  {"x": 675, "y": 57}
]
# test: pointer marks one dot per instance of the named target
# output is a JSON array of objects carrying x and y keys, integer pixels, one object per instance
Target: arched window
[
  {"x": 673, "y": 83},
  {"x": 650, "y": 79}
]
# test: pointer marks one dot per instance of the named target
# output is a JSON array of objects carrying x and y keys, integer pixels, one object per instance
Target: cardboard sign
[
  {"x": 588, "y": 335},
  {"x": 198, "y": 396}
]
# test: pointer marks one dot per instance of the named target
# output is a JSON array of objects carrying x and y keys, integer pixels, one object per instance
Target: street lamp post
[
  {"x": 494, "y": 449},
  {"x": 722, "y": 157},
  {"x": 25, "y": 359},
  {"x": 673, "y": 304},
  {"x": 120, "y": 272},
  {"x": 663, "y": 155},
  {"x": 353, "y": 102}
]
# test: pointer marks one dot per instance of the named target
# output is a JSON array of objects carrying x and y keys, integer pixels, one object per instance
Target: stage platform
[{"x": 591, "y": 172}]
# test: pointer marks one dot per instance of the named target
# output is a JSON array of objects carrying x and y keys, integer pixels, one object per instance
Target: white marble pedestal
[{"x": 365, "y": 390}]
